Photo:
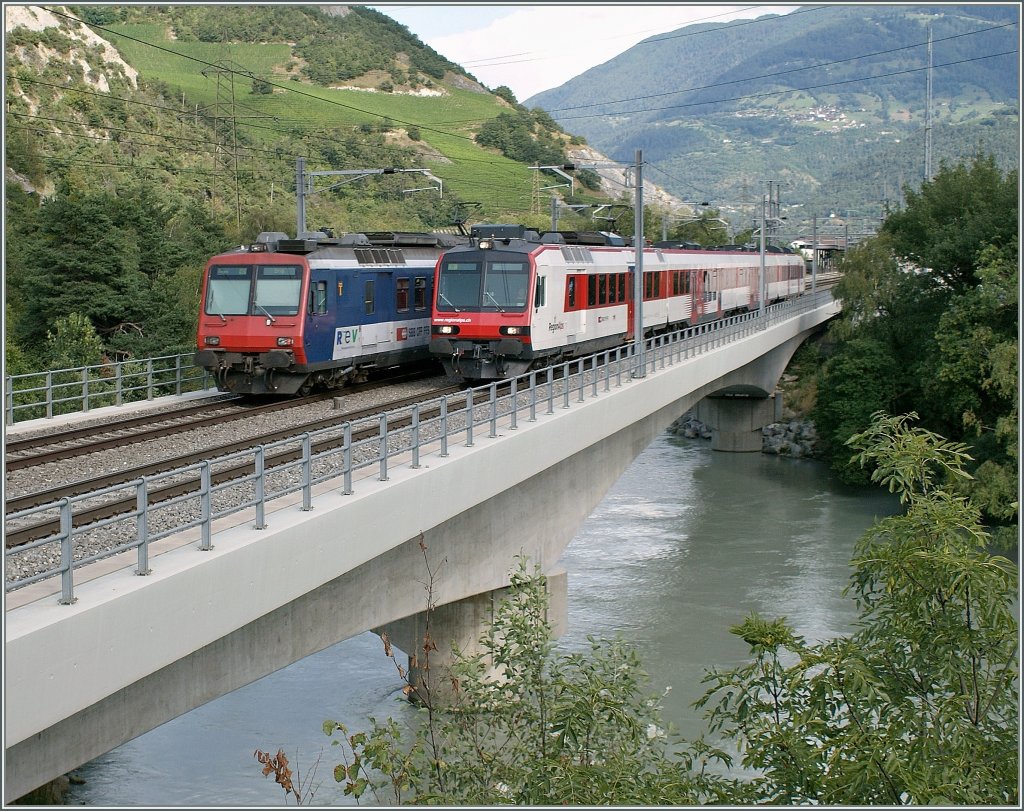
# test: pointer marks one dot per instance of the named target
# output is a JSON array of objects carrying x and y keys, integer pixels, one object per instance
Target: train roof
[{"x": 309, "y": 241}]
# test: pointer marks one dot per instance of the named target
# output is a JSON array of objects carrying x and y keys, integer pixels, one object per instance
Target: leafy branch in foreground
[
  {"x": 920, "y": 704},
  {"x": 527, "y": 725}
]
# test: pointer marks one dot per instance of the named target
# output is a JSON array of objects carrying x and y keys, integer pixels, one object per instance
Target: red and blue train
[
  {"x": 286, "y": 316},
  {"x": 512, "y": 300}
]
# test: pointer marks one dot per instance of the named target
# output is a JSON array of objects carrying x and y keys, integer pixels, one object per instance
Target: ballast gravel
[{"x": 25, "y": 566}]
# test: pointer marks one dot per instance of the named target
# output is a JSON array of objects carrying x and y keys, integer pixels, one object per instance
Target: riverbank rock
[{"x": 796, "y": 438}]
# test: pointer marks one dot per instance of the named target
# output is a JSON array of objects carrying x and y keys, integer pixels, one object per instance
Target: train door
[
  {"x": 410, "y": 329},
  {"x": 356, "y": 325},
  {"x": 630, "y": 301},
  {"x": 319, "y": 332}
]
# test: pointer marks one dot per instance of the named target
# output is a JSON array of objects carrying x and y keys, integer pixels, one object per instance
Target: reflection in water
[{"x": 685, "y": 544}]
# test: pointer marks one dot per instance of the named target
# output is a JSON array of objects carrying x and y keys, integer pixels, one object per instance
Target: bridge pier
[
  {"x": 736, "y": 420},
  {"x": 428, "y": 636}
]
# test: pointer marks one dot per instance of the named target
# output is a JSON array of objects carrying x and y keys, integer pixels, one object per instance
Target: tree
[
  {"x": 73, "y": 343},
  {"x": 706, "y": 229},
  {"x": 929, "y": 324},
  {"x": 529, "y": 726},
  {"x": 977, "y": 380},
  {"x": 945, "y": 226},
  {"x": 919, "y": 705}
]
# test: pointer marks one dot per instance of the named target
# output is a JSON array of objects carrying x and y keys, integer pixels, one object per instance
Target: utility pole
[
  {"x": 554, "y": 212},
  {"x": 300, "y": 197},
  {"x": 763, "y": 285},
  {"x": 639, "y": 367},
  {"x": 814, "y": 254},
  {"x": 928, "y": 115}
]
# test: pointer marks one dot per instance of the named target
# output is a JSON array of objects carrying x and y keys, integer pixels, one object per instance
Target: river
[{"x": 685, "y": 545}]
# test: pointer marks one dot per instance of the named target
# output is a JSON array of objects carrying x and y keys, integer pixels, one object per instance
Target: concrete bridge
[{"x": 134, "y": 652}]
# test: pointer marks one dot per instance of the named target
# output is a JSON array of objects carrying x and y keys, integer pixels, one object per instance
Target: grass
[{"x": 445, "y": 123}]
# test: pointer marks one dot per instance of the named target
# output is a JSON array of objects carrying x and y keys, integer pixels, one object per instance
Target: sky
[{"x": 534, "y": 47}]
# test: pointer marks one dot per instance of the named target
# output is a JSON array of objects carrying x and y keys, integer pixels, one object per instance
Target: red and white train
[{"x": 514, "y": 300}]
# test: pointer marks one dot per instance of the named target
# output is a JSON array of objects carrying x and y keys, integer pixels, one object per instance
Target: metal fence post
[
  {"x": 142, "y": 525},
  {"x": 383, "y": 447},
  {"x": 149, "y": 378},
  {"x": 415, "y": 437},
  {"x": 307, "y": 472},
  {"x": 119, "y": 383},
  {"x": 346, "y": 456},
  {"x": 444, "y": 424},
  {"x": 9, "y": 401},
  {"x": 49, "y": 394},
  {"x": 493, "y": 394},
  {"x": 533, "y": 396},
  {"x": 85, "y": 389},
  {"x": 514, "y": 402},
  {"x": 177, "y": 375},
  {"x": 205, "y": 506},
  {"x": 551, "y": 390},
  {"x": 469, "y": 418},
  {"x": 583, "y": 375},
  {"x": 566, "y": 381},
  {"x": 67, "y": 596},
  {"x": 259, "y": 464}
]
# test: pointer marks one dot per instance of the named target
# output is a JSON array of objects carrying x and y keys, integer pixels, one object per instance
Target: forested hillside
[
  {"x": 829, "y": 100},
  {"x": 142, "y": 143}
]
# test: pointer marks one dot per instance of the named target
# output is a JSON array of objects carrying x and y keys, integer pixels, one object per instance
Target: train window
[
  {"x": 368, "y": 297},
  {"x": 570, "y": 293},
  {"x": 419, "y": 297},
  {"x": 227, "y": 290},
  {"x": 685, "y": 284},
  {"x": 278, "y": 288},
  {"x": 622, "y": 287},
  {"x": 507, "y": 285},
  {"x": 402, "y": 295},
  {"x": 602, "y": 289},
  {"x": 318, "y": 298},
  {"x": 540, "y": 293},
  {"x": 458, "y": 285},
  {"x": 591, "y": 291}
]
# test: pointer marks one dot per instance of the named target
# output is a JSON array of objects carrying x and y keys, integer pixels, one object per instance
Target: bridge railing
[
  {"x": 198, "y": 495},
  {"x": 66, "y": 391}
]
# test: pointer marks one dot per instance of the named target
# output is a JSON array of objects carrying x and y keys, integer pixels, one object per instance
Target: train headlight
[
  {"x": 212, "y": 340},
  {"x": 285, "y": 341},
  {"x": 447, "y": 329},
  {"x": 514, "y": 330},
  {"x": 486, "y": 244}
]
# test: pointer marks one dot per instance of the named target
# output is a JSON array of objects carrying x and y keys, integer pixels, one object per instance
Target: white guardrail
[{"x": 451, "y": 416}]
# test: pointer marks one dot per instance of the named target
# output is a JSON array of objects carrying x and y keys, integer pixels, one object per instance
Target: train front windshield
[
  {"x": 483, "y": 282},
  {"x": 266, "y": 290}
]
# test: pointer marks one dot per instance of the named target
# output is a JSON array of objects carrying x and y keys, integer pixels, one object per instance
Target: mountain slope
[{"x": 721, "y": 108}]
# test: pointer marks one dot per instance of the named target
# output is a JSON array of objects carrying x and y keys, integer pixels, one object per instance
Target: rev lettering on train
[{"x": 346, "y": 336}]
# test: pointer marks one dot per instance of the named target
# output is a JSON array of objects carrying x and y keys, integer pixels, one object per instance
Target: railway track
[
  {"x": 75, "y": 442},
  {"x": 16, "y": 536}
]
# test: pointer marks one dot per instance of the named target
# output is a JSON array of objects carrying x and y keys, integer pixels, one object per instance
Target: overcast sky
[{"x": 535, "y": 47}]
